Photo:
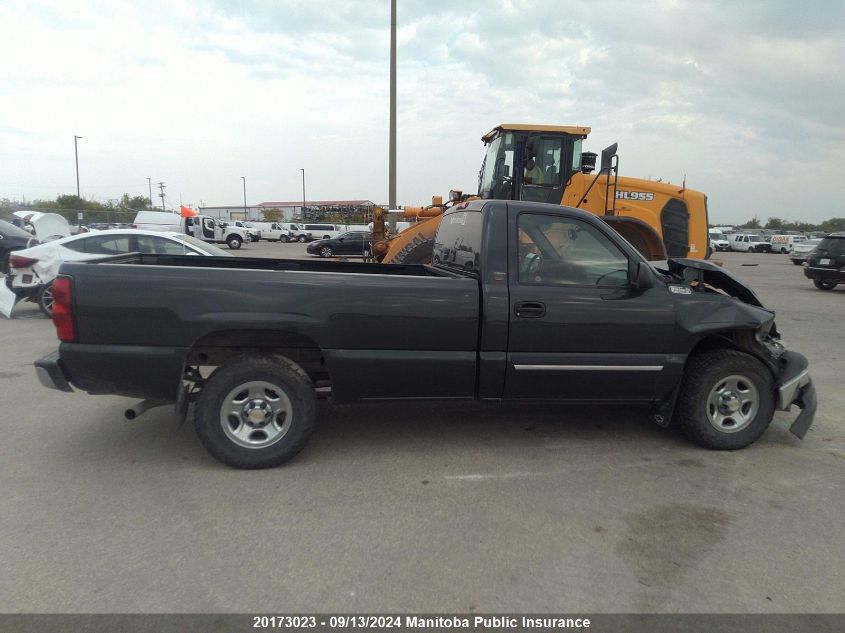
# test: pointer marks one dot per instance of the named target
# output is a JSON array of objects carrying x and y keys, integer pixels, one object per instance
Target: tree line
[{"x": 832, "y": 225}]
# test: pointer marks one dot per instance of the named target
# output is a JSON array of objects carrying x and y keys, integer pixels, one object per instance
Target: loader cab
[{"x": 534, "y": 164}]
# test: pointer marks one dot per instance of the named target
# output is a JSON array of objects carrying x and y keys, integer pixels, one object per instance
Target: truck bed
[{"x": 365, "y": 320}]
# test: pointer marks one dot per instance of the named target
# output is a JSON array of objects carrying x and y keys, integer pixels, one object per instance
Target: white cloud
[{"x": 742, "y": 99}]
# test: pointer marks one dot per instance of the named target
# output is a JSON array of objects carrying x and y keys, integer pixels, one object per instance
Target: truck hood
[{"x": 715, "y": 276}]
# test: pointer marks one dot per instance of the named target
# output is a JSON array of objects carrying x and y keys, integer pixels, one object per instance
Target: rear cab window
[{"x": 458, "y": 242}]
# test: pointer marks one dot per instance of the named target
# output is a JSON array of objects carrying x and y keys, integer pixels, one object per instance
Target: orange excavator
[{"x": 545, "y": 163}]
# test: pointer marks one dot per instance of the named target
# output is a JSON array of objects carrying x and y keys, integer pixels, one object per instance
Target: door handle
[{"x": 529, "y": 309}]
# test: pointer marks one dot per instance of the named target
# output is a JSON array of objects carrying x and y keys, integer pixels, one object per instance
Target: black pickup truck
[{"x": 524, "y": 302}]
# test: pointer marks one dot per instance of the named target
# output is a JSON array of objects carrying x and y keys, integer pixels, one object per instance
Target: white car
[
  {"x": 32, "y": 270},
  {"x": 801, "y": 251}
]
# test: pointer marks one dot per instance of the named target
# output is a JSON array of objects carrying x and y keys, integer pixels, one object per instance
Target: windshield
[
  {"x": 832, "y": 246},
  {"x": 717, "y": 236},
  {"x": 205, "y": 247},
  {"x": 494, "y": 180}
]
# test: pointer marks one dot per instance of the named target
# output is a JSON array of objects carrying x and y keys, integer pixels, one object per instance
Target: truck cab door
[
  {"x": 579, "y": 327},
  {"x": 208, "y": 229}
]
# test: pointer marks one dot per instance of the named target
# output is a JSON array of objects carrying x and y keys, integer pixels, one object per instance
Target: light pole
[
  {"x": 302, "y": 215},
  {"x": 150, "y": 183},
  {"x": 245, "y": 213},
  {"x": 391, "y": 191},
  {"x": 76, "y": 156}
]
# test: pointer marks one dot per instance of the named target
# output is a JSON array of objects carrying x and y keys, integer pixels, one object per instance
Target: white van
[
  {"x": 324, "y": 231},
  {"x": 784, "y": 243},
  {"x": 296, "y": 231},
  {"x": 202, "y": 227},
  {"x": 749, "y": 243}
]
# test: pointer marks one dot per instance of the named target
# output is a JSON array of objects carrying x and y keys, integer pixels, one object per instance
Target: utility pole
[
  {"x": 76, "y": 156},
  {"x": 246, "y": 216},
  {"x": 150, "y": 183},
  {"x": 392, "y": 149},
  {"x": 302, "y": 215},
  {"x": 161, "y": 187}
]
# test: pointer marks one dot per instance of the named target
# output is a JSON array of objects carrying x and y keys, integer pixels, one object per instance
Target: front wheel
[
  {"x": 234, "y": 242},
  {"x": 45, "y": 299},
  {"x": 326, "y": 251},
  {"x": 726, "y": 400},
  {"x": 256, "y": 412},
  {"x": 824, "y": 285}
]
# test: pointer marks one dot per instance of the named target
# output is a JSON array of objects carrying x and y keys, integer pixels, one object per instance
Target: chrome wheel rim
[
  {"x": 47, "y": 299},
  {"x": 256, "y": 414},
  {"x": 326, "y": 251},
  {"x": 732, "y": 404}
]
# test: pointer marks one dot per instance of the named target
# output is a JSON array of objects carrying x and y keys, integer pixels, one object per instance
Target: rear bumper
[
  {"x": 796, "y": 387},
  {"x": 50, "y": 373},
  {"x": 824, "y": 274},
  {"x": 153, "y": 373}
]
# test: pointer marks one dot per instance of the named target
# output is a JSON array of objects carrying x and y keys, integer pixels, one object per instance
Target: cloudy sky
[{"x": 745, "y": 98}]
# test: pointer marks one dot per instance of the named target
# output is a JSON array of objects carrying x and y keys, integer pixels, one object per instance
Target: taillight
[
  {"x": 62, "y": 309},
  {"x": 19, "y": 261}
]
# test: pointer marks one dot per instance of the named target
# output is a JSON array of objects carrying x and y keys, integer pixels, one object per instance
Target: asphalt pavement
[{"x": 426, "y": 507}]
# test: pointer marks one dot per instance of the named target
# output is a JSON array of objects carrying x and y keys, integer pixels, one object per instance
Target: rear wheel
[
  {"x": 824, "y": 285},
  {"x": 283, "y": 239},
  {"x": 256, "y": 412},
  {"x": 726, "y": 400},
  {"x": 234, "y": 242},
  {"x": 45, "y": 299},
  {"x": 797, "y": 262},
  {"x": 302, "y": 238}
]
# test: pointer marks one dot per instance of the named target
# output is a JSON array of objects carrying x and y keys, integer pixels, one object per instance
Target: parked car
[
  {"x": 719, "y": 242},
  {"x": 826, "y": 264},
  {"x": 352, "y": 243},
  {"x": 785, "y": 243},
  {"x": 12, "y": 238},
  {"x": 585, "y": 318},
  {"x": 33, "y": 270},
  {"x": 800, "y": 252},
  {"x": 273, "y": 231},
  {"x": 750, "y": 243}
]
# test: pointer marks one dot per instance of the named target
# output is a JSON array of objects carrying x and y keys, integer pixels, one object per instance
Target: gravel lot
[{"x": 415, "y": 507}]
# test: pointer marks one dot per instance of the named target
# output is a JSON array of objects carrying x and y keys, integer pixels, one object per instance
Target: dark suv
[{"x": 826, "y": 264}]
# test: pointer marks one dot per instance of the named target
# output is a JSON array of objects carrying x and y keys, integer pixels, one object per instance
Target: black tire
[
  {"x": 703, "y": 376},
  {"x": 824, "y": 285},
  {"x": 417, "y": 251},
  {"x": 783, "y": 250},
  {"x": 302, "y": 239},
  {"x": 283, "y": 375},
  {"x": 797, "y": 262},
  {"x": 326, "y": 251},
  {"x": 45, "y": 299},
  {"x": 233, "y": 242},
  {"x": 283, "y": 239}
]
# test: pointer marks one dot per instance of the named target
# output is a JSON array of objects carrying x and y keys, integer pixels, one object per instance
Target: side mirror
[
  {"x": 607, "y": 155},
  {"x": 645, "y": 278}
]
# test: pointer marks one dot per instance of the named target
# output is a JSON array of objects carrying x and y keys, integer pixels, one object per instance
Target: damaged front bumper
[{"x": 796, "y": 387}]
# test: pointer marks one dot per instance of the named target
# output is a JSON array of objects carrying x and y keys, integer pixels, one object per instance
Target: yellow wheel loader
[{"x": 545, "y": 163}]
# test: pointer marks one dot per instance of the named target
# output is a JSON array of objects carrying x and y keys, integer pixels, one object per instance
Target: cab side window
[{"x": 554, "y": 250}]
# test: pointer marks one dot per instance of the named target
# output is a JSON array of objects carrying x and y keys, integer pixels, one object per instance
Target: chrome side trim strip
[{"x": 588, "y": 367}]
